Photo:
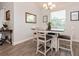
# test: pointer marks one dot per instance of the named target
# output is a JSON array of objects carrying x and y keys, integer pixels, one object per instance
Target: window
[{"x": 57, "y": 19}]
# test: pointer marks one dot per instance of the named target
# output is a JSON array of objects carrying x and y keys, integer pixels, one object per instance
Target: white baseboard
[
  {"x": 75, "y": 40},
  {"x": 21, "y": 41}
]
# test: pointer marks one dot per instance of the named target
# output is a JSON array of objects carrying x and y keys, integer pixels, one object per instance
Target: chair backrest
[{"x": 41, "y": 35}]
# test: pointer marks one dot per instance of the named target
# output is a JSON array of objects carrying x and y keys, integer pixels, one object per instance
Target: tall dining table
[{"x": 55, "y": 38}]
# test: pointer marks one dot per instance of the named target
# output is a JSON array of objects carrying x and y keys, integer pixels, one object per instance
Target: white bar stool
[{"x": 43, "y": 43}]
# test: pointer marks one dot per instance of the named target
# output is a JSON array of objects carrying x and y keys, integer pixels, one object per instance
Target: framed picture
[
  {"x": 45, "y": 19},
  {"x": 8, "y": 15},
  {"x": 74, "y": 16},
  {"x": 30, "y": 18}
]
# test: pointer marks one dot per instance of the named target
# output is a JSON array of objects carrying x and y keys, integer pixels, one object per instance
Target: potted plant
[{"x": 49, "y": 26}]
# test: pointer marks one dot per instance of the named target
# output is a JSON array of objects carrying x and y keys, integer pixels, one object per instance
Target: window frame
[{"x": 52, "y": 28}]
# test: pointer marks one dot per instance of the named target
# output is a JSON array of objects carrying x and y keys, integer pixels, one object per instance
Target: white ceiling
[{"x": 58, "y": 4}]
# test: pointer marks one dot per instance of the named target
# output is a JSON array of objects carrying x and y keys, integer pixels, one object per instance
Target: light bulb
[
  {"x": 51, "y": 8},
  {"x": 50, "y": 3},
  {"x": 45, "y": 6},
  {"x": 53, "y": 5}
]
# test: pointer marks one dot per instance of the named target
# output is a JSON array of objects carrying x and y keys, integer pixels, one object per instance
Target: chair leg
[
  {"x": 71, "y": 50},
  {"x": 45, "y": 49},
  {"x": 58, "y": 44},
  {"x": 37, "y": 46},
  {"x": 51, "y": 47}
]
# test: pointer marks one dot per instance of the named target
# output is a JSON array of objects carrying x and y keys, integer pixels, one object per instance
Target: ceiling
[{"x": 58, "y": 4}]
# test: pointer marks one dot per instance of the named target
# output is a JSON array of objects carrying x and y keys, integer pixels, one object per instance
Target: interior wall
[
  {"x": 0, "y": 5},
  {"x": 1, "y": 17},
  {"x": 8, "y": 6},
  {"x": 43, "y": 13},
  {"x": 71, "y": 27},
  {"x": 23, "y": 30}
]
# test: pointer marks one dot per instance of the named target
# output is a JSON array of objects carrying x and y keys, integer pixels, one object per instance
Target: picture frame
[
  {"x": 8, "y": 15},
  {"x": 45, "y": 19},
  {"x": 74, "y": 16},
  {"x": 30, "y": 18}
]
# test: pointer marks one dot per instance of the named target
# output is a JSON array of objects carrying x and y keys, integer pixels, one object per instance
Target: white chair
[
  {"x": 34, "y": 35},
  {"x": 66, "y": 44},
  {"x": 35, "y": 29},
  {"x": 43, "y": 43}
]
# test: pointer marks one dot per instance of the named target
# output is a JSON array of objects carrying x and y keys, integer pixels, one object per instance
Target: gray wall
[
  {"x": 22, "y": 30},
  {"x": 71, "y": 27}
]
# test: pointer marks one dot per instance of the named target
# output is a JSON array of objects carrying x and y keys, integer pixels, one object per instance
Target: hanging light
[
  {"x": 49, "y": 6},
  {"x": 45, "y": 6},
  {"x": 53, "y": 5},
  {"x": 50, "y": 3}
]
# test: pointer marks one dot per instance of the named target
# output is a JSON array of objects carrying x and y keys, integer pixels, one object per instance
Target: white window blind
[{"x": 57, "y": 20}]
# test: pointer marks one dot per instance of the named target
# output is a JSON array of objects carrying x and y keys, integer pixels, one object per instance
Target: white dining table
[{"x": 55, "y": 38}]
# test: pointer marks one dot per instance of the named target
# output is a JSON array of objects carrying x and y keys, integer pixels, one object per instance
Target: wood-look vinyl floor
[{"x": 29, "y": 49}]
